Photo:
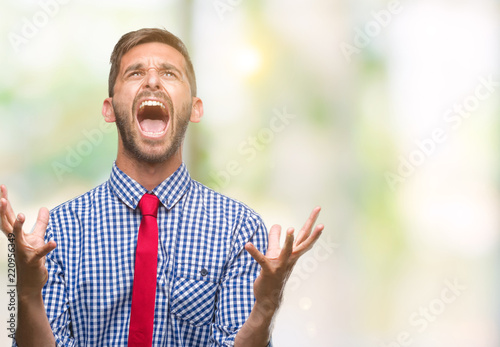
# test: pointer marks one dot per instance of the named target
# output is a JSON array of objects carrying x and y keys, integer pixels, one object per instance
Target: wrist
[
  {"x": 266, "y": 309},
  {"x": 28, "y": 294},
  {"x": 269, "y": 302}
]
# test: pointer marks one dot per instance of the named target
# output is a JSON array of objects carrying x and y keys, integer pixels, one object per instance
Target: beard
[{"x": 158, "y": 151}]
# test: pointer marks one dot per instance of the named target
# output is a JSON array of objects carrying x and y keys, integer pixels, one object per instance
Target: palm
[
  {"x": 278, "y": 263},
  {"x": 34, "y": 241},
  {"x": 30, "y": 249}
]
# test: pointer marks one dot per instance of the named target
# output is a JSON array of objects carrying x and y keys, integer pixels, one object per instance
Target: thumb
[
  {"x": 256, "y": 254},
  {"x": 45, "y": 249}
]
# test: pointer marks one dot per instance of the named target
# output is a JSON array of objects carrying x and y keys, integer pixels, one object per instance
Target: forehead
[{"x": 152, "y": 54}]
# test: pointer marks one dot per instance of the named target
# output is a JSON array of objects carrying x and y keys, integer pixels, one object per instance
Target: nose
[{"x": 152, "y": 80}]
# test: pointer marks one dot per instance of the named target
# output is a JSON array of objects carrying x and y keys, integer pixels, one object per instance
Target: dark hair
[{"x": 147, "y": 35}]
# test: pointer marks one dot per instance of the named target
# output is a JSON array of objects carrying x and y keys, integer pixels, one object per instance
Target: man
[{"x": 82, "y": 278}]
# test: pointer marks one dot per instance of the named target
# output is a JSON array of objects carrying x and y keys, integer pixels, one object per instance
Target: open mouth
[{"x": 153, "y": 118}]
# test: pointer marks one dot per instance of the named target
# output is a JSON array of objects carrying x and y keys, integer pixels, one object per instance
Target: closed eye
[
  {"x": 136, "y": 73},
  {"x": 169, "y": 74}
]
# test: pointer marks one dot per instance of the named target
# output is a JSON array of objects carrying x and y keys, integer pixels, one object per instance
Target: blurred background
[{"x": 382, "y": 112}]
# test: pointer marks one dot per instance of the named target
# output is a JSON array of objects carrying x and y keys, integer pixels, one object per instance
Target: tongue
[{"x": 153, "y": 125}]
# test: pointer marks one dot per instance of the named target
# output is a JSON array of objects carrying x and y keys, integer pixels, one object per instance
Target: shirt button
[{"x": 204, "y": 272}]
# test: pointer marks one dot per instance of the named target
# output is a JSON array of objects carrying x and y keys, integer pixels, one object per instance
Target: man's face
[{"x": 152, "y": 102}]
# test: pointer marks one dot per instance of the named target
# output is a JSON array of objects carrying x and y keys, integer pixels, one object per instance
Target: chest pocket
[{"x": 194, "y": 293}]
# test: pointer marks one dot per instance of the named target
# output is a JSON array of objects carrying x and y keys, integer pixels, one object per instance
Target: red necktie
[{"x": 144, "y": 290}]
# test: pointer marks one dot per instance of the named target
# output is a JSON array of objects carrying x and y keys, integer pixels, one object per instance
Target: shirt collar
[{"x": 169, "y": 192}]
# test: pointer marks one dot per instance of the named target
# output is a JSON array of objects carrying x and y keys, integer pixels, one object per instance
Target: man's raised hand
[
  {"x": 278, "y": 263},
  {"x": 30, "y": 249}
]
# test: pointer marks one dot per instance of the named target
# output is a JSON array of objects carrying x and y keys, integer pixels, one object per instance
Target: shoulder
[
  {"x": 230, "y": 216},
  {"x": 81, "y": 204},
  {"x": 217, "y": 204}
]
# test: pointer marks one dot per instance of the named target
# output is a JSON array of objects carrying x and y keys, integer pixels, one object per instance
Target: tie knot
[{"x": 149, "y": 205}]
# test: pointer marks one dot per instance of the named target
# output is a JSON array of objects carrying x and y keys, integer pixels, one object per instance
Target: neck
[{"x": 149, "y": 175}]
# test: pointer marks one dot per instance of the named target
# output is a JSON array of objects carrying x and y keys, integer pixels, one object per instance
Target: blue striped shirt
[{"x": 204, "y": 279}]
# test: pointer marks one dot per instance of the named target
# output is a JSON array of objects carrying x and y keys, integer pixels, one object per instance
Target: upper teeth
[{"x": 151, "y": 103}]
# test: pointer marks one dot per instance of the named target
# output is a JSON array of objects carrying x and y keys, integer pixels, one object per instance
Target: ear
[
  {"x": 108, "y": 111},
  {"x": 196, "y": 110}
]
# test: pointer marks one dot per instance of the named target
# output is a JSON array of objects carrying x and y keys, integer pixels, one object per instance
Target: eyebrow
[{"x": 163, "y": 66}]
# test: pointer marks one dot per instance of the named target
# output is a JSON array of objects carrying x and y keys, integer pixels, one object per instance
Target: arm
[
  {"x": 235, "y": 297},
  {"x": 277, "y": 265},
  {"x": 33, "y": 328}
]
